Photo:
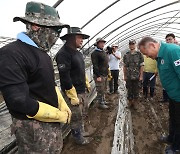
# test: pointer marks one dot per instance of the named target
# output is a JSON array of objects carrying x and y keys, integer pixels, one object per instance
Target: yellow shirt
[{"x": 150, "y": 65}]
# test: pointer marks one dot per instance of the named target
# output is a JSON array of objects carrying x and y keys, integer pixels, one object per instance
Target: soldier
[
  {"x": 133, "y": 73},
  {"x": 28, "y": 86},
  {"x": 101, "y": 71},
  {"x": 168, "y": 63},
  {"x": 73, "y": 81}
]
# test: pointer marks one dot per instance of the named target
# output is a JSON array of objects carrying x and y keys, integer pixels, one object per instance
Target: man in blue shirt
[{"x": 168, "y": 62}]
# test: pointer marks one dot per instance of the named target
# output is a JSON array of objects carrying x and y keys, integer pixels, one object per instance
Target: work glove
[
  {"x": 88, "y": 86},
  {"x": 109, "y": 75},
  {"x": 62, "y": 104},
  {"x": 48, "y": 113},
  {"x": 72, "y": 94}
]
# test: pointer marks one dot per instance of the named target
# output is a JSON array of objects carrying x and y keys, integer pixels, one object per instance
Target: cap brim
[
  {"x": 99, "y": 41},
  {"x": 71, "y": 34},
  {"x": 26, "y": 20}
]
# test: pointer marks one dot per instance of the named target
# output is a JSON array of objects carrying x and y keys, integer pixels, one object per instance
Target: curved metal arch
[
  {"x": 139, "y": 37},
  {"x": 161, "y": 27},
  {"x": 145, "y": 20},
  {"x": 99, "y": 14},
  {"x": 119, "y": 18},
  {"x": 138, "y": 28},
  {"x": 122, "y": 41},
  {"x": 151, "y": 26},
  {"x": 169, "y": 4},
  {"x": 143, "y": 30}
]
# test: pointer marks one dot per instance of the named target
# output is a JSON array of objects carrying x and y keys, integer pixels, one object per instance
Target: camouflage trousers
[
  {"x": 132, "y": 89},
  {"x": 35, "y": 137},
  {"x": 101, "y": 88},
  {"x": 79, "y": 112}
]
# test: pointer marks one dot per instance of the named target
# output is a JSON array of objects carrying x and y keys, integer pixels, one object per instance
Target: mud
[
  {"x": 149, "y": 125},
  {"x": 149, "y": 122},
  {"x": 101, "y": 124}
]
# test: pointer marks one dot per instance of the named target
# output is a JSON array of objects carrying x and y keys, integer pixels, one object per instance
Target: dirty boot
[
  {"x": 84, "y": 133},
  {"x": 169, "y": 150},
  {"x": 129, "y": 105},
  {"x": 104, "y": 101},
  {"x": 165, "y": 139},
  {"x": 134, "y": 104},
  {"x": 79, "y": 138},
  {"x": 102, "y": 104}
]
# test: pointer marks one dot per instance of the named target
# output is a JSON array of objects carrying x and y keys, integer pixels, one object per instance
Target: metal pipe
[
  {"x": 139, "y": 37},
  {"x": 135, "y": 35},
  {"x": 130, "y": 32},
  {"x": 165, "y": 23},
  {"x": 169, "y": 4},
  {"x": 118, "y": 19},
  {"x": 99, "y": 13},
  {"x": 137, "y": 28},
  {"x": 141, "y": 29},
  {"x": 144, "y": 29},
  {"x": 57, "y": 3},
  {"x": 105, "y": 36},
  {"x": 145, "y": 20}
]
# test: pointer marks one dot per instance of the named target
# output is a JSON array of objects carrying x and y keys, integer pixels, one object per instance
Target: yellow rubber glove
[
  {"x": 62, "y": 104},
  {"x": 48, "y": 113},
  {"x": 87, "y": 84},
  {"x": 72, "y": 94},
  {"x": 109, "y": 75}
]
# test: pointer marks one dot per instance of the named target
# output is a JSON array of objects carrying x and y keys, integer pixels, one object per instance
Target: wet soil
[
  {"x": 101, "y": 124},
  {"x": 150, "y": 121}
]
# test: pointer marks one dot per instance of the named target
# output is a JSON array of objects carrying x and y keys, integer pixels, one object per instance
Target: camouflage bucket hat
[
  {"x": 99, "y": 40},
  {"x": 41, "y": 14}
]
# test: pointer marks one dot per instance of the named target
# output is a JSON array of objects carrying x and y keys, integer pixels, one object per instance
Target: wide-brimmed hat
[
  {"x": 41, "y": 14},
  {"x": 132, "y": 42},
  {"x": 100, "y": 39},
  {"x": 74, "y": 31}
]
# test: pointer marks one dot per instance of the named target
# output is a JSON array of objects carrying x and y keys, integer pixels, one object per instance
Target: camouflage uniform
[
  {"x": 101, "y": 88},
  {"x": 133, "y": 62},
  {"x": 100, "y": 69},
  {"x": 43, "y": 137},
  {"x": 28, "y": 80}
]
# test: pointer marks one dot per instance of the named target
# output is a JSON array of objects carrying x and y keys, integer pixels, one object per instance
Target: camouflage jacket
[{"x": 133, "y": 62}]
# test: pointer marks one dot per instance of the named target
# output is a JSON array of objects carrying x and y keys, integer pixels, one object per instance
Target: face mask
[{"x": 44, "y": 37}]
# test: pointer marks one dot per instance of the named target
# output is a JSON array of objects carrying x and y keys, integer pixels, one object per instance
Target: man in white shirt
[{"x": 114, "y": 60}]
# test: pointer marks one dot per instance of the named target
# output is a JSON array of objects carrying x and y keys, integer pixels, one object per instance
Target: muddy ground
[
  {"x": 147, "y": 127},
  {"x": 101, "y": 122}
]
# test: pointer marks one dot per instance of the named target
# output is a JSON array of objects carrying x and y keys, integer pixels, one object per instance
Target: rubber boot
[
  {"x": 106, "y": 103},
  {"x": 79, "y": 138},
  {"x": 134, "y": 104},
  {"x": 102, "y": 104},
  {"x": 84, "y": 133}
]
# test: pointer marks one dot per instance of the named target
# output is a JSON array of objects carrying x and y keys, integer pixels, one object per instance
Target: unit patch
[{"x": 177, "y": 62}]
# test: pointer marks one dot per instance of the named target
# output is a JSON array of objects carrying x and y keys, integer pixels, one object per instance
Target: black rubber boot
[
  {"x": 79, "y": 138},
  {"x": 102, "y": 104}
]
